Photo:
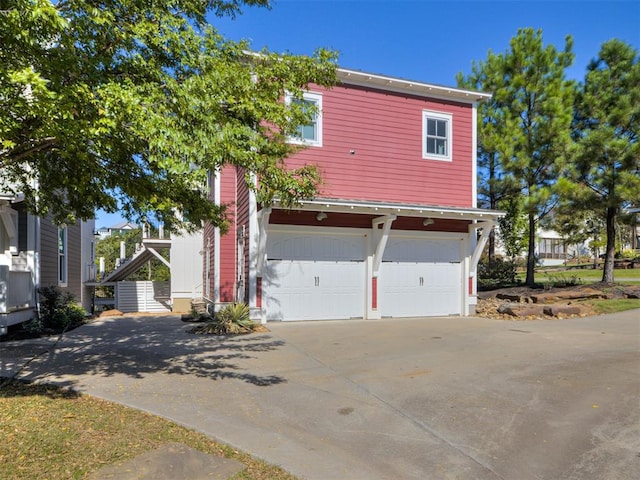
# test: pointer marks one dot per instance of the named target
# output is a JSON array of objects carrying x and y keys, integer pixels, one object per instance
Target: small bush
[
  {"x": 496, "y": 273},
  {"x": 629, "y": 253},
  {"x": 58, "y": 312},
  {"x": 561, "y": 280},
  {"x": 231, "y": 319}
]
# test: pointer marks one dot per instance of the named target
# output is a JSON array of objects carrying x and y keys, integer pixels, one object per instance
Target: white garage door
[
  {"x": 314, "y": 276},
  {"x": 421, "y": 277}
]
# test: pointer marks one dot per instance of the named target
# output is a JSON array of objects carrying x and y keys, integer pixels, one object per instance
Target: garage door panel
[
  {"x": 314, "y": 290},
  {"x": 314, "y": 277},
  {"x": 422, "y": 250},
  {"x": 315, "y": 247},
  {"x": 421, "y": 277}
]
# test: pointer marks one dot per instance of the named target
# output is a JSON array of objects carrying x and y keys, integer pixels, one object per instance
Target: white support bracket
[
  {"x": 9, "y": 218},
  {"x": 386, "y": 220},
  {"x": 263, "y": 221},
  {"x": 159, "y": 257},
  {"x": 486, "y": 227}
]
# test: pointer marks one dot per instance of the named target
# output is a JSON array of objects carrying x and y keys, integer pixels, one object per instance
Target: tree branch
[{"x": 17, "y": 155}]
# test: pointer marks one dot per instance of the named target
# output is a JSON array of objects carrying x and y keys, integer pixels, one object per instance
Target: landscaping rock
[
  {"x": 513, "y": 297},
  {"x": 559, "y": 296},
  {"x": 521, "y": 310},
  {"x": 562, "y": 310},
  {"x": 632, "y": 292}
]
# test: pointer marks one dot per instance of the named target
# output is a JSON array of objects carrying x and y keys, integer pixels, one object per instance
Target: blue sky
[{"x": 427, "y": 40}]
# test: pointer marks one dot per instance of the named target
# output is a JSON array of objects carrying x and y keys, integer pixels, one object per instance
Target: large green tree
[
  {"x": 127, "y": 104},
  {"x": 495, "y": 187},
  {"x": 604, "y": 176},
  {"x": 530, "y": 124}
]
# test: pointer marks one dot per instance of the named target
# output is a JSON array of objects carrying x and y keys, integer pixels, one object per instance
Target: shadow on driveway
[{"x": 136, "y": 347}]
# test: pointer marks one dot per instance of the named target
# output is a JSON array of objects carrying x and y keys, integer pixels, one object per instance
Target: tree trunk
[
  {"x": 531, "y": 252},
  {"x": 607, "y": 271}
]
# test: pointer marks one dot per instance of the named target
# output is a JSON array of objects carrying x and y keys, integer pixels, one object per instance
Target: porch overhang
[{"x": 398, "y": 209}]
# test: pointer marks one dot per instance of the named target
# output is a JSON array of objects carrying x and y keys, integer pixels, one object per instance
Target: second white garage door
[
  {"x": 421, "y": 277},
  {"x": 314, "y": 276}
]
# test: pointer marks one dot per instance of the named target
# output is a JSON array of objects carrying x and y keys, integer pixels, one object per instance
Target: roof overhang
[
  {"x": 400, "y": 85},
  {"x": 399, "y": 209}
]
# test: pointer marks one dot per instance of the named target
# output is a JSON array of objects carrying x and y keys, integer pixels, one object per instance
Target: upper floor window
[
  {"x": 310, "y": 133},
  {"x": 62, "y": 256},
  {"x": 436, "y": 135}
]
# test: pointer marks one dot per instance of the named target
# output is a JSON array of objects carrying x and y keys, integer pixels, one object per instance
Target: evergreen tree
[
  {"x": 605, "y": 173},
  {"x": 530, "y": 121}
]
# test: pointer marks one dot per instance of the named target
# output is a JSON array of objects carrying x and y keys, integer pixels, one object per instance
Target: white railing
[{"x": 19, "y": 290}]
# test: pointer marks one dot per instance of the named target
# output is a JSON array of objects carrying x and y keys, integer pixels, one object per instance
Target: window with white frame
[
  {"x": 62, "y": 256},
  {"x": 310, "y": 133},
  {"x": 436, "y": 135}
]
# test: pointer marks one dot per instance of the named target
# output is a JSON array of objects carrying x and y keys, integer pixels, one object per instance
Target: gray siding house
[{"x": 34, "y": 252}]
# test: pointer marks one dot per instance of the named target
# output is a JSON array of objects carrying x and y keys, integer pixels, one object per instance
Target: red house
[{"x": 394, "y": 231}]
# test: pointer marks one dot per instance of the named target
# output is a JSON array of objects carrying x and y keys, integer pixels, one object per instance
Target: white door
[
  {"x": 421, "y": 277},
  {"x": 314, "y": 276}
]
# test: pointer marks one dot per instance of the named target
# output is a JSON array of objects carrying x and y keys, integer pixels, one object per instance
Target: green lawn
[{"x": 584, "y": 276}]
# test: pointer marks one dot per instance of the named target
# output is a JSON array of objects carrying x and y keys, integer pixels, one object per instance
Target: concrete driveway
[{"x": 430, "y": 398}]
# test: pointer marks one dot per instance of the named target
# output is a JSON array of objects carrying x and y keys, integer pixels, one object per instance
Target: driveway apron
[{"x": 436, "y": 398}]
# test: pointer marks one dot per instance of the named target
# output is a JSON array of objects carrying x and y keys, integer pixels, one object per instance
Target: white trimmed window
[
  {"x": 436, "y": 135},
  {"x": 311, "y": 133},
  {"x": 62, "y": 257}
]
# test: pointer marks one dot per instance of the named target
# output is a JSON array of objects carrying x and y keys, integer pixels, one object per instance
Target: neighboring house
[
  {"x": 394, "y": 231},
  {"x": 36, "y": 253},
  {"x": 122, "y": 227},
  {"x": 185, "y": 266},
  {"x": 553, "y": 249}
]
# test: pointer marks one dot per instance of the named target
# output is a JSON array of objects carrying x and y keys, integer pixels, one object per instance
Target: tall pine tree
[
  {"x": 605, "y": 173},
  {"x": 530, "y": 123}
]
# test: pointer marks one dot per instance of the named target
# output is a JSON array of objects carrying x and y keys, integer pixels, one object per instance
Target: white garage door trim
[
  {"x": 314, "y": 274},
  {"x": 421, "y": 276}
]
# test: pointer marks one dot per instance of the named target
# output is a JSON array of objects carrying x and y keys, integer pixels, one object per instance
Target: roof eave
[
  {"x": 405, "y": 210},
  {"x": 355, "y": 77}
]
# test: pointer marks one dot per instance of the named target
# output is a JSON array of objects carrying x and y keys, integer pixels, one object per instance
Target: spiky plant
[{"x": 231, "y": 319}]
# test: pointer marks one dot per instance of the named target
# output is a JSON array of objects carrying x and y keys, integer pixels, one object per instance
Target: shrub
[
  {"x": 58, "y": 312},
  {"x": 497, "y": 272},
  {"x": 231, "y": 319},
  {"x": 629, "y": 253},
  {"x": 561, "y": 280}
]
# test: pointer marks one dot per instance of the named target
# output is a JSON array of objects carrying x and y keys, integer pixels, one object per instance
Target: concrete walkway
[{"x": 436, "y": 398}]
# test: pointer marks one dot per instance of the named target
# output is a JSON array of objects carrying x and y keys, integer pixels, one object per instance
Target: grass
[
  {"x": 586, "y": 276},
  {"x": 614, "y": 305},
  {"x": 52, "y": 433}
]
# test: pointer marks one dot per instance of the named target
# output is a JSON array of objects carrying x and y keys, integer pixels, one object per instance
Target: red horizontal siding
[
  {"x": 228, "y": 241},
  {"x": 385, "y": 132}
]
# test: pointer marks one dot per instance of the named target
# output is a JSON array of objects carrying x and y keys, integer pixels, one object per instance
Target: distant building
[{"x": 122, "y": 227}]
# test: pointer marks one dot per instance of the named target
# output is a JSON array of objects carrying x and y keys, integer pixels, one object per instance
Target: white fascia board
[
  {"x": 403, "y": 210},
  {"x": 400, "y": 85}
]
